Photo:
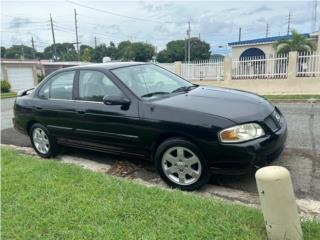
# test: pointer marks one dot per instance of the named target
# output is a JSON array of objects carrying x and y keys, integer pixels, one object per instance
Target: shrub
[
  {"x": 40, "y": 77},
  {"x": 5, "y": 86}
]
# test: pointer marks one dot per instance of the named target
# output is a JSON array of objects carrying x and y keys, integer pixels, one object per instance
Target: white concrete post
[
  {"x": 292, "y": 66},
  {"x": 177, "y": 68},
  {"x": 227, "y": 69},
  {"x": 278, "y": 203}
]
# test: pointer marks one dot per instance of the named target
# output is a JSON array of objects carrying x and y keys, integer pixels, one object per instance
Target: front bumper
[{"x": 241, "y": 158}]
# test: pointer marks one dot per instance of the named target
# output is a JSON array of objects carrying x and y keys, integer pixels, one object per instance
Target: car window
[
  {"x": 94, "y": 85},
  {"x": 144, "y": 79},
  {"x": 58, "y": 87}
]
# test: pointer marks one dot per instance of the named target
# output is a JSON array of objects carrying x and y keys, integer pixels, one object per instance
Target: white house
[{"x": 262, "y": 47}]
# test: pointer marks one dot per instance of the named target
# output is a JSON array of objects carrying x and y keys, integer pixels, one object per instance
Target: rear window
[{"x": 59, "y": 86}]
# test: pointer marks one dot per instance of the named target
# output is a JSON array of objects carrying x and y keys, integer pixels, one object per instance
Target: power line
[{"x": 115, "y": 14}]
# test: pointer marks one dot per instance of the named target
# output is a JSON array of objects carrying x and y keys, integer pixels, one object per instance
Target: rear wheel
[
  {"x": 42, "y": 142},
  {"x": 181, "y": 164}
]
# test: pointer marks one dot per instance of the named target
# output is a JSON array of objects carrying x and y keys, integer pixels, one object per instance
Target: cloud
[
  {"x": 113, "y": 29},
  {"x": 18, "y": 22},
  {"x": 259, "y": 10}
]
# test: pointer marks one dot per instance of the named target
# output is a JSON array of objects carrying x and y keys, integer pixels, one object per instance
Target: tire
[
  {"x": 181, "y": 164},
  {"x": 40, "y": 136}
]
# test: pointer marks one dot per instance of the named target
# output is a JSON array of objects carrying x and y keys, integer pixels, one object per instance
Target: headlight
[{"x": 241, "y": 133}]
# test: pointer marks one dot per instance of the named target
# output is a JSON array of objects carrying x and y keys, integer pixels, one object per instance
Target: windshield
[{"x": 150, "y": 81}]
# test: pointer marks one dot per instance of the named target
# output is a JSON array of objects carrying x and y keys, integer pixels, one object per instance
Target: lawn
[
  {"x": 292, "y": 97},
  {"x": 43, "y": 199},
  {"x": 8, "y": 95}
]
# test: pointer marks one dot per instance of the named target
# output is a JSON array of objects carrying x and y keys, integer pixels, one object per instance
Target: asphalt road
[{"x": 301, "y": 155}]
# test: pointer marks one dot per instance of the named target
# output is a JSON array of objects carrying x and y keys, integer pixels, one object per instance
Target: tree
[
  {"x": 112, "y": 51},
  {"x": 298, "y": 43},
  {"x": 3, "y": 51},
  {"x": 65, "y": 52},
  {"x": 163, "y": 56},
  {"x": 19, "y": 51},
  {"x": 83, "y": 47},
  {"x": 86, "y": 55},
  {"x": 143, "y": 52},
  {"x": 98, "y": 53},
  {"x": 176, "y": 50},
  {"x": 200, "y": 50},
  {"x": 125, "y": 51}
]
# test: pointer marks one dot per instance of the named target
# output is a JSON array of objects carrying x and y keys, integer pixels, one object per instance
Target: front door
[{"x": 112, "y": 128}]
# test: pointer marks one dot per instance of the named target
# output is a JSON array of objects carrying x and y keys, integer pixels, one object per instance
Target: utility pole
[
  {"x": 22, "y": 52},
  {"x": 289, "y": 23},
  {"x": 314, "y": 16},
  {"x": 199, "y": 37},
  {"x": 54, "y": 41},
  {"x": 189, "y": 44},
  {"x": 185, "y": 49},
  {"x": 95, "y": 41},
  {"x": 77, "y": 39},
  {"x": 239, "y": 34},
  {"x": 34, "y": 50},
  {"x": 267, "y": 30}
]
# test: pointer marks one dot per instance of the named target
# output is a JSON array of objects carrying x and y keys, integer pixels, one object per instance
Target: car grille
[{"x": 275, "y": 120}]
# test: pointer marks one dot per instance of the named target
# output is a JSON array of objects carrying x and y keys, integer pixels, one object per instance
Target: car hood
[{"x": 237, "y": 106}]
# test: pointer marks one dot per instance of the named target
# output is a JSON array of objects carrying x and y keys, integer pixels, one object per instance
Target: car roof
[{"x": 108, "y": 66}]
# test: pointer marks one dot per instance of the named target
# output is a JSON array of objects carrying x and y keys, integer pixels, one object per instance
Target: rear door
[
  {"x": 110, "y": 127},
  {"x": 55, "y": 106}
]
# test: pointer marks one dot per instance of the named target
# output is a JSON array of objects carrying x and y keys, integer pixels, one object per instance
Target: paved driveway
[
  {"x": 6, "y": 113},
  {"x": 301, "y": 156}
]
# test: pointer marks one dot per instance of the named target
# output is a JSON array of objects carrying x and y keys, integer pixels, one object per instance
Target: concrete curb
[{"x": 308, "y": 208}]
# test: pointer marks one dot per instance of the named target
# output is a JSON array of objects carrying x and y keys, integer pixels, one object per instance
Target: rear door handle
[
  {"x": 81, "y": 112},
  {"x": 38, "y": 108}
]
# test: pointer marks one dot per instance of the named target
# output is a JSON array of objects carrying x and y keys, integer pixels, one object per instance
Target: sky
[{"x": 155, "y": 22}]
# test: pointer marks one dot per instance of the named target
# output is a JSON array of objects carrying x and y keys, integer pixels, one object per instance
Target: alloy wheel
[
  {"x": 181, "y": 165},
  {"x": 41, "y": 140}
]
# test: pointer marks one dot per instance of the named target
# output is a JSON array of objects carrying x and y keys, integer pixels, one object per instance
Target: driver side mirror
[{"x": 116, "y": 100}]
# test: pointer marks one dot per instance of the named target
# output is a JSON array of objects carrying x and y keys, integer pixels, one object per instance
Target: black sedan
[{"x": 142, "y": 110}]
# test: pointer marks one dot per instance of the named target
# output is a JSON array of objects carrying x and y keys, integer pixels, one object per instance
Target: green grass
[
  {"x": 292, "y": 97},
  {"x": 8, "y": 95},
  {"x": 44, "y": 199}
]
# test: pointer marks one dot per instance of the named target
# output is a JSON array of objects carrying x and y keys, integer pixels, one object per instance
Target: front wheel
[
  {"x": 181, "y": 164},
  {"x": 42, "y": 142}
]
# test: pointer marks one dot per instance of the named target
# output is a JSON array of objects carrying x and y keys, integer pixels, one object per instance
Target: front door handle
[{"x": 81, "y": 112}]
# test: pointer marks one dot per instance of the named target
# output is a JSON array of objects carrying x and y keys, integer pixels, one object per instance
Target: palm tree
[{"x": 297, "y": 43}]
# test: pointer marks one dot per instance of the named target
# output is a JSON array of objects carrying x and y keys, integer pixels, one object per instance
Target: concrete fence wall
[{"x": 292, "y": 84}]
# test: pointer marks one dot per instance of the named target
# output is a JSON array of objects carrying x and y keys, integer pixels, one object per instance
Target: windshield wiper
[
  {"x": 184, "y": 89},
  {"x": 154, "y": 93}
]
